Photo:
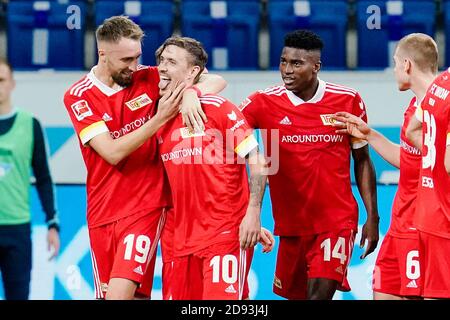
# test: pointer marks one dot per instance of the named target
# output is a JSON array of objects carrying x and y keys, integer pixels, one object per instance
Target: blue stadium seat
[
  {"x": 42, "y": 34},
  {"x": 446, "y": 9},
  {"x": 326, "y": 18},
  {"x": 231, "y": 37},
  {"x": 155, "y": 18},
  {"x": 377, "y": 36}
]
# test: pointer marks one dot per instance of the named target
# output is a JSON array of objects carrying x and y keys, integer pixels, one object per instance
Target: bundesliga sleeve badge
[{"x": 81, "y": 109}]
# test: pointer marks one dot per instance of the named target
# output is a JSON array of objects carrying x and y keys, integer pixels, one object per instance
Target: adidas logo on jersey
[
  {"x": 339, "y": 270},
  {"x": 230, "y": 289},
  {"x": 138, "y": 270},
  {"x": 286, "y": 121},
  {"x": 412, "y": 284},
  {"x": 106, "y": 117}
]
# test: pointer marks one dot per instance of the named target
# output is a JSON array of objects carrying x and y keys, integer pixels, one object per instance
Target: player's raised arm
[
  {"x": 191, "y": 111},
  {"x": 115, "y": 150},
  {"x": 358, "y": 128}
]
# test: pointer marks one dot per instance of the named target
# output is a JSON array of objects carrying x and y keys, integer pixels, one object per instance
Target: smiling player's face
[
  {"x": 122, "y": 60},
  {"x": 173, "y": 67}
]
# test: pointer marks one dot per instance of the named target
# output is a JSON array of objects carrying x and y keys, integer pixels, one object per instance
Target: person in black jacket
[{"x": 22, "y": 146}]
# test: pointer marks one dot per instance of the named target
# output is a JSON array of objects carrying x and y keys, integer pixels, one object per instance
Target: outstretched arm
[
  {"x": 115, "y": 150},
  {"x": 366, "y": 182},
  {"x": 355, "y": 126}
]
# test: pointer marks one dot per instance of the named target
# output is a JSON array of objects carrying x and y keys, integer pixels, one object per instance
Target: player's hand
[
  {"x": 350, "y": 124},
  {"x": 369, "y": 234},
  {"x": 53, "y": 243},
  {"x": 267, "y": 240},
  {"x": 168, "y": 105},
  {"x": 250, "y": 228},
  {"x": 191, "y": 111}
]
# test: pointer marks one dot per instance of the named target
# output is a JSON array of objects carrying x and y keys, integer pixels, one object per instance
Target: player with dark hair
[{"x": 315, "y": 212}]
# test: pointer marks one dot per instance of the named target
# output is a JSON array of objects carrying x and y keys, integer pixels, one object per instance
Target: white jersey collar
[
  {"x": 296, "y": 101},
  {"x": 100, "y": 85}
]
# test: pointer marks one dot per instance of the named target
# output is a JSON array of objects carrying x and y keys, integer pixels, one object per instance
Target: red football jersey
[
  {"x": 208, "y": 180},
  {"x": 433, "y": 205},
  {"x": 135, "y": 185},
  {"x": 404, "y": 206},
  {"x": 311, "y": 191}
]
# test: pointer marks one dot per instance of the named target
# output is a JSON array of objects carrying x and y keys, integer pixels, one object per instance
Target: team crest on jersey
[
  {"x": 81, "y": 110},
  {"x": 327, "y": 120},
  {"x": 139, "y": 102},
  {"x": 186, "y": 133}
]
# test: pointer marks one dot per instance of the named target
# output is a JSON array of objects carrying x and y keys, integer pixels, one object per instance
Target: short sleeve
[
  {"x": 87, "y": 124},
  {"x": 239, "y": 134},
  {"x": 251, "y": 108},
  {"x": 359, "y": 110}
]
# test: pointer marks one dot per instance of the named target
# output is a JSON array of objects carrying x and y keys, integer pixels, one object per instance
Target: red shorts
[
  {"x": 324, "y": 255},
  {"x": 167, "y": 255},
  {"x": 217, "y": 272},
  {"x": 397, "y": 270},
  {"x": 435, "y": 265},
  {"x": 126, "y": 249}
]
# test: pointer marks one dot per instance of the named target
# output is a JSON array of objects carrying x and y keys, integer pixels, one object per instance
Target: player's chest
[
  {"x": 178, "y": 142},
  {"x": 126, "y": 111},
  {"x": 288, "y": 118}
]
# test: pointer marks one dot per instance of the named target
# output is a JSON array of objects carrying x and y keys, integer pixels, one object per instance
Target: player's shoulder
[
  {"x": 143, "y": 71},
  {"x": 338, "y": 89},
  {"x": 79, "y": 88},
  {"x": 443, "y": 79},
  {"x": 213, "y": 100},
  {"x": 272, "y": 91}
]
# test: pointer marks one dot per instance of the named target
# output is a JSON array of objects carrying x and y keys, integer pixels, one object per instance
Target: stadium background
[{"x": 51, "y": 45}]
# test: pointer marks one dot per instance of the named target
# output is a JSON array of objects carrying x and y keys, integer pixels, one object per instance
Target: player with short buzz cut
[
  {"x": 397, "y": 272},
  {"x": 113, "y": 111},
  {"x": 216, "y": 210},
  {"x": 315, "y": 212},
  {"x": 432, "y": 218}
]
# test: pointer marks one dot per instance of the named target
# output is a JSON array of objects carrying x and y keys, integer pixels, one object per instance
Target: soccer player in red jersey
[
  {"x": 216, "y": 213},
  {"x": 397, "y": 270},
  {"x": 113, "y": 110},
  {"x": 315, "y": 213},
  {"x": 432, "y": 218},
  {"x": 168, "y": 259}
]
